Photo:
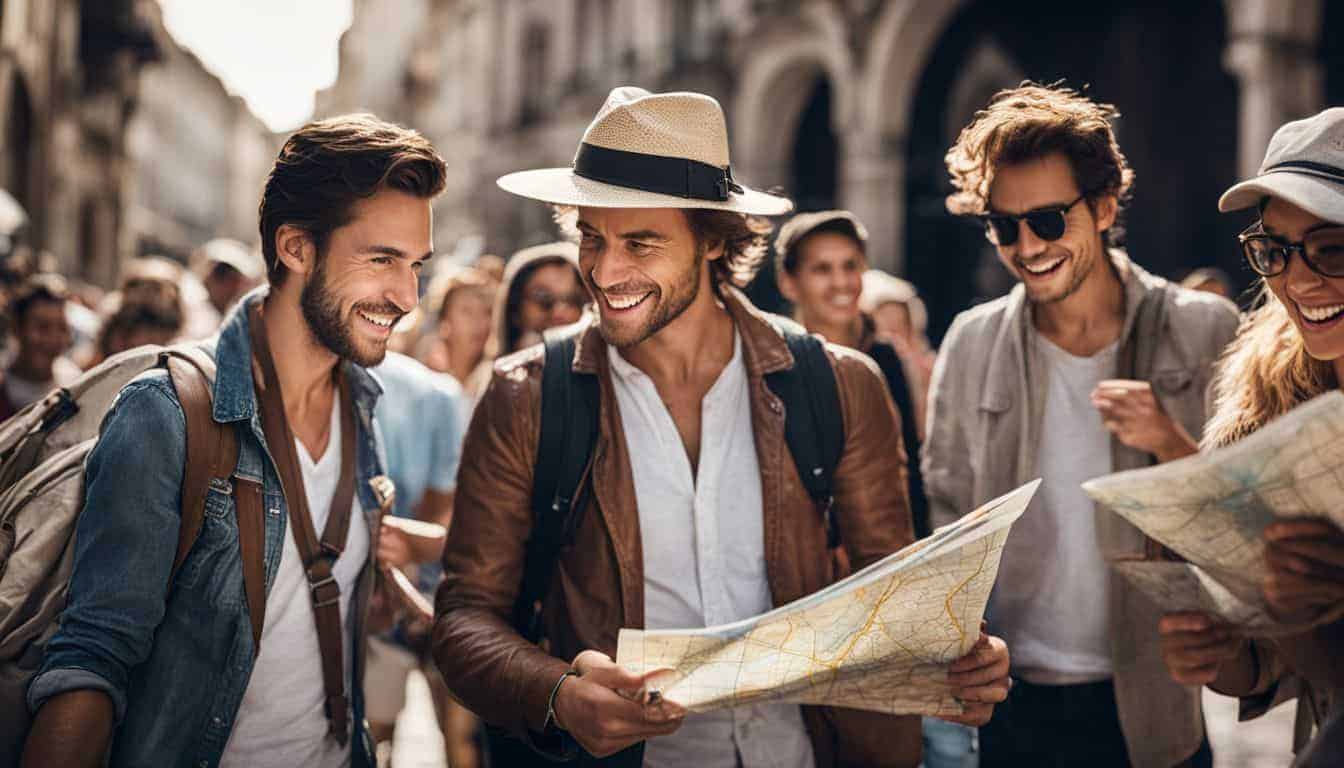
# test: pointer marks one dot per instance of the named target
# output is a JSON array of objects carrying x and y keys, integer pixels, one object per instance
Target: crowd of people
[{"x": 346, "y": 356}]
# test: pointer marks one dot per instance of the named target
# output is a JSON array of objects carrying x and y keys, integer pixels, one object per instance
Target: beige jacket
[{"x": 984, "y": 420}]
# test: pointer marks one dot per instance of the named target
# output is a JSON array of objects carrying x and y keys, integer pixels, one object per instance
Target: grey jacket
[{"x": 985, "y": 412}]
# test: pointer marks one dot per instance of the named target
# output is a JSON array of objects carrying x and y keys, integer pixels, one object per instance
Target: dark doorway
[
  {"x": 812, "y": 181},
  {"x": 1160, "y": 64},
  {"x": 1332, "y": 53},
  {"x": 18, "y": 145}
]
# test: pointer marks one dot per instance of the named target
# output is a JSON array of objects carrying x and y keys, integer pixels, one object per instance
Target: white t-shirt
[
  {"x": 703, "y": 537},
  {"x": 1051, "y": 599},
  {"x": 281, "y": 721}
]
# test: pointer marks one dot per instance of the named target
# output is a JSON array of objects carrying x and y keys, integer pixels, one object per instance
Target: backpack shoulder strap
[
  {"x": 569, "y": 412},
  {"x": 212, "y": 453},
  {"x": 813, "y": 426}
]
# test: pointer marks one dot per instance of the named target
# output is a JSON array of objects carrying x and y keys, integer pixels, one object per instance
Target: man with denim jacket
[
  {"x": 153, "y": 673},
  {"x": 1090, "y": 365}
]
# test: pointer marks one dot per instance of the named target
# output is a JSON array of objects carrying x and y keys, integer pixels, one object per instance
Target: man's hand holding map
[
  {"x": 1213, "y": 508},
  {"x": 882, "y": 639}
]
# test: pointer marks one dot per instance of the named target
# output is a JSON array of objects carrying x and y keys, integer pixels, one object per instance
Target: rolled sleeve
[{"x": 125, "y": 542}]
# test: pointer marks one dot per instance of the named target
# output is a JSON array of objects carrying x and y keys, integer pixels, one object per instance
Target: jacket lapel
[{"x": 612, "y": 479}]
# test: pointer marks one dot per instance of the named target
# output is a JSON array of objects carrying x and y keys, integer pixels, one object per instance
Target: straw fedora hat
[{"x": 649, "y": 150}]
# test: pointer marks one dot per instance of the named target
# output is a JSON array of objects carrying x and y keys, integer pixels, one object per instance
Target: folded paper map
[
  {"x": 1212, "y": 508},
  {"x": 880, "y": 640}
]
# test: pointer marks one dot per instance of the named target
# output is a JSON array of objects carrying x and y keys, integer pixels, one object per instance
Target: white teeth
[
  {"x": 385, "y": 321},
  {"x": 624, "y": 302},
  {"x": 842, "y": 301},
  {"x": 1320, "y": 314},
  {"x": 1043, "y": 267}
]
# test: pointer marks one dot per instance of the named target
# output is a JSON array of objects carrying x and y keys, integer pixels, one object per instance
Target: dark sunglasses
[
  {"x": 1046, "y": 223},
  {"x": 547, "y": 300},
  {"x": 1322, "y": 250}
]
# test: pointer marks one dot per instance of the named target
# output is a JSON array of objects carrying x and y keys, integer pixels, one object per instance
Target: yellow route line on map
[{"x": 947, "y": 603}]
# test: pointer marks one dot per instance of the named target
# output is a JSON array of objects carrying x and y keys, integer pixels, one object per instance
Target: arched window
[{"x": 18, "y": 144}]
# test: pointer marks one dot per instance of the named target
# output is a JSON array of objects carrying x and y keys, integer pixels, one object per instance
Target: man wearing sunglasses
[{"x": 1089, "y": 366}]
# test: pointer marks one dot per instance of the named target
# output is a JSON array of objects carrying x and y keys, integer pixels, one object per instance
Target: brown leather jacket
[{"x": 598, "y": 586}]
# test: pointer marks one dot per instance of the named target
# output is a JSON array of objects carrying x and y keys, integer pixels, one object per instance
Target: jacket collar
[
  {"x": 763, "y": 347},
  {"x": 1005, "y": 375},
  {"x": 235, "y": 397}
]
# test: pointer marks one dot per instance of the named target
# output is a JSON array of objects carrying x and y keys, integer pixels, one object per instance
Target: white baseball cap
[{"x": 1304, "y": 165}]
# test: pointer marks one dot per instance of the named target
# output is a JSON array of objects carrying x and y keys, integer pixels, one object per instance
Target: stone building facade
[
  {"x": 851, "y": 102},
  {"x": 200, "y": 156},
  {"x": 68, "y": 73},
  {"x": 116, "y": 141}
]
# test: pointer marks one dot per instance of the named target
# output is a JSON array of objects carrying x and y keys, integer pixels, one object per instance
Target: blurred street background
[{"x": 145, "y": 128}]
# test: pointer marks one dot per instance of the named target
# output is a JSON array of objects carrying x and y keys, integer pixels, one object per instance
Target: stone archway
[
  {"x": 873, "y": 179},
  {"x": 780, "y": 73}
]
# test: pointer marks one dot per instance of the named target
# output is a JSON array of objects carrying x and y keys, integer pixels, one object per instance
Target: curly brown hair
[
  {"x": 329, "y": 165},
  {"x": 745, "y": 239},
  {"x": 1030, "y": 122}
]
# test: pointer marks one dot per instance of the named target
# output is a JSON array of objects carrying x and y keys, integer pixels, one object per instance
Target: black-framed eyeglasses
[
  {"x": 1322, "y": 250},
  {"x": 546, "y": 300},
  {"x": 1047, "y": 223}
]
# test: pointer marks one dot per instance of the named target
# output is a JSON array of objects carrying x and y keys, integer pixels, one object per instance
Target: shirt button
[{"x": 217, "y": 720}]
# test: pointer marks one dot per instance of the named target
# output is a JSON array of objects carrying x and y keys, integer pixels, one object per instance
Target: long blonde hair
[{"x": 1264, "y": 373}]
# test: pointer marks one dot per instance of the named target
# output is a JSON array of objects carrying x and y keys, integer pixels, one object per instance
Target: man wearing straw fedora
[{"x": 691, "y": 512}]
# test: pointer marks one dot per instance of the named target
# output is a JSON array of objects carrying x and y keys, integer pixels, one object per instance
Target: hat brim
[
  {"x": 1317, "y": 196},
  {"x": 560, "y": 186}
]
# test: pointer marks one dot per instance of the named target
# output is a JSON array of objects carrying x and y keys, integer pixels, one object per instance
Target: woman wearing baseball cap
[{"x": 1289, "y": 349}]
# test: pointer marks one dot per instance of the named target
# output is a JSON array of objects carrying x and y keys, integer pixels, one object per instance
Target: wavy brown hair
[
  {"x": 745, "y": 239},
  {"x": 1265, "y": 372},
  {"x": 1030, "y": 122},
  {"x": 329, "y": 165}
]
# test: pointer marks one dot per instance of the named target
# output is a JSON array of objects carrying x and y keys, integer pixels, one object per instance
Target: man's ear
[
  {"x": 295, "y": 249},
  {"x": 1104, "y": 210}
]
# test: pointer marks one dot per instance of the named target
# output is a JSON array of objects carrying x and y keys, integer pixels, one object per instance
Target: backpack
[
  {"x": 813, "y": 429},
  {"x": 42, "y": 454}
]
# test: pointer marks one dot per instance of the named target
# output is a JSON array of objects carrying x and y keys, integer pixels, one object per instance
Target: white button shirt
[{"x": 704, "y": 554}]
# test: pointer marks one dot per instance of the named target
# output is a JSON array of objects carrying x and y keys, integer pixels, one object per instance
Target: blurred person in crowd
[
  {"x": 821, "y": 261},
  {"x": 221, "y": 668},
  {"x": 38, "y": 318},
  {"x": 421, "y": 417},
  {"x": 901, "y": 318},
  {"x": 1289, "y": 350},
  {"x": 1089, "y": 365},
  {"x": 674, "y": 507},
  {"x": 146, "y": 309},
  {"x": 821, "y": 258},
  {"x": 1210, "y": 279},
  {"x": 459, "y": 305},
  {"x": 492, "y": 266},
  {"x": 541, "y": 289},
  {"x": 228, "y": 269}
]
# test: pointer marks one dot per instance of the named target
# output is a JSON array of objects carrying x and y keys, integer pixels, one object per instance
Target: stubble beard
[
  {"x": 669, "y": 307},
  {"x": 1083, "y": 262},
  {"x": 322, "y": 313}
]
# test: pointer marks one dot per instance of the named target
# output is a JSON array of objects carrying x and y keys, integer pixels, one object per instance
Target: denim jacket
[{"x": 175, "y": 660}]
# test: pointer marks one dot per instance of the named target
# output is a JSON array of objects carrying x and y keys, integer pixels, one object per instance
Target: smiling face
[
  {"x": 826, "y": 281},
  {"x": 643, "y": 267},
  {"x": 1314, "y": 302},
  {"x": 1051, "y": 270},
  {"x": 44, "y": 335},
  {"x": 367, "y": 277},
  {"x": 551, "y": 297}
]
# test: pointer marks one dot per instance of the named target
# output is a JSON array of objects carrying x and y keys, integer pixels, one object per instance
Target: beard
[
  {"x": 680, "y": 295},
  {"x": 1080, "y": 264},
  {"x": 322, "y": 312}
]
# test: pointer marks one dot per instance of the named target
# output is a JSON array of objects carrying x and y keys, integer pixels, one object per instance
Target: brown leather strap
[
  {"x": 319, "y": 556},
  {"x": 212, "y": 453},
  {"x": 250, "y": 508}
]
